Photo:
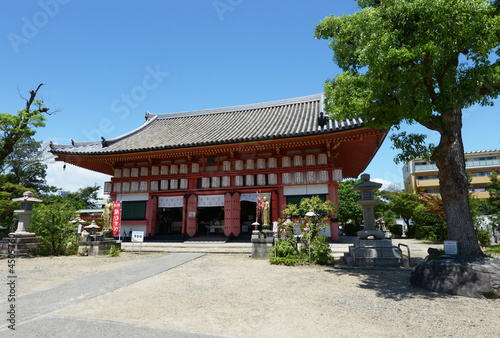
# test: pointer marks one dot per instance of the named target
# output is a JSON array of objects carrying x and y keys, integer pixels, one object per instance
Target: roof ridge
[{"x": 267, "y": 104}]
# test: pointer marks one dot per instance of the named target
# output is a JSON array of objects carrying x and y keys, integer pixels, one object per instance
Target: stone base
[
  {"x": 261, "y": 243},
  {"x": 18, "y": 245},
  {"x": 95, "y": 248},
  {"x": 364, "y": 234},
  {"x": 457, "y": 275},
  {"x": 374, "y": 252}
]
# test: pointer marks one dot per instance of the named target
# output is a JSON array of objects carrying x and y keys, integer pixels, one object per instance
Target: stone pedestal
[
  {"x": 374, "y": 252},
  {"x": 95, "y": 248},
  {"x": 261, "y": 243},
  {"x": 19, "y": 243}
]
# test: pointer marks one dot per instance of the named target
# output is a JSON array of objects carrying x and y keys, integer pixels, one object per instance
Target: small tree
[
  {"x": 349, "y": 212},
  {"x": 287, "y": 251},
  {"x": 52, "y": 225}
]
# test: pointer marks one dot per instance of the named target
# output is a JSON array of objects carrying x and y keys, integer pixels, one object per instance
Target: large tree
[{"x": 419, "y": 61}]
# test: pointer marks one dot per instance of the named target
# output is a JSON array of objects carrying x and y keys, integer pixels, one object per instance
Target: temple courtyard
[{"x": 199, "y": 294}]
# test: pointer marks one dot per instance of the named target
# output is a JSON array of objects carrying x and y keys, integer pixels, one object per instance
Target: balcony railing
[{"x": 468, "y": 164}]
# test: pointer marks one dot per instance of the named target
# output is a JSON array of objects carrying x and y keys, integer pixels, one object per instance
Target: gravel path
[
  {"x": 233, "y": 295},
  {"x": 238, "y": 296}
]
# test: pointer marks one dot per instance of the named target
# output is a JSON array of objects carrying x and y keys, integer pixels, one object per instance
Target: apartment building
[{"x": 424, "y": 175}]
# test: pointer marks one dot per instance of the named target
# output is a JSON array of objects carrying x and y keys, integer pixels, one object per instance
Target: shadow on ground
[{"x": 390, "y": 284}]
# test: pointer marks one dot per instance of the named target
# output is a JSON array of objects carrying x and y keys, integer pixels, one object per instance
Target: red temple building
[{"x": 199, "y": 172}]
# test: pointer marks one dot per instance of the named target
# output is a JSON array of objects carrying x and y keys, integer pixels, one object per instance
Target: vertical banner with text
[{"x": 117, "y": 218}]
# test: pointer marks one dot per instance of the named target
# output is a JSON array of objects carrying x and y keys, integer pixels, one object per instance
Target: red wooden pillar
[
  {"x": 153, "y": 212},
  {"x": 236, "y": 214},
  {"x": 191, "y": 207},
  {"x": 333, "y": 195},
  {"x": 228, "y": 214},
  {"x": 281, "y": 201},
  {"x": 275, "y": 214}
]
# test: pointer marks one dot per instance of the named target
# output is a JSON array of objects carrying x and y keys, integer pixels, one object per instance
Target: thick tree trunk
[{"x": 454, "y": 184}]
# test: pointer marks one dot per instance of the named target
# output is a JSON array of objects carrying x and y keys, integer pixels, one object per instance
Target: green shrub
[
  {"x": 351, "y": 229},
  {"x": 320, "y": 251},
  {"x": 395, "y": 229},
  {"x": 113, "y": 251},
  {"x": 484, "y": 237}
]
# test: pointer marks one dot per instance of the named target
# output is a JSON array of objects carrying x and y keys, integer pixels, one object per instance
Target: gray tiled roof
[{"x": 263, "y": 121}]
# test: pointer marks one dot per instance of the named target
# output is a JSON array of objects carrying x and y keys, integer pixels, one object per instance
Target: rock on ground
[{"x": 464, "y": 276}]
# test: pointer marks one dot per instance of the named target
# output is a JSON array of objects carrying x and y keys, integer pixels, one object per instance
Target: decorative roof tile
[{"x": 262, "y": 121}]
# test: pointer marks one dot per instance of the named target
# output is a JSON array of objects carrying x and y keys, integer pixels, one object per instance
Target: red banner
[{"x": 117, "y": 218}]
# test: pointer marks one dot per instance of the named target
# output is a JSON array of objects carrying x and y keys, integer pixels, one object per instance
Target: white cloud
[
  {"x": 387, "y": 184},
  {"x": 73, "y": 177}
]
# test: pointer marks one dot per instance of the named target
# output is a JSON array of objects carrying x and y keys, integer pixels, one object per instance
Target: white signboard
[
  {"x": 137, "y": 236},
  {"x": 450, "y": 247}
]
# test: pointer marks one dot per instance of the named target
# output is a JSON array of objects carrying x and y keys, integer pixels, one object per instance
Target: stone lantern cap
[
  {"x": 27, "y": 198},
  {"x": 93, "y": 225},
  {"x": 366, "y": 184}
]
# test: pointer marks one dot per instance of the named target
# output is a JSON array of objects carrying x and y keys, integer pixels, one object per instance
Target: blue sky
[{"x": 105, "y": 63}]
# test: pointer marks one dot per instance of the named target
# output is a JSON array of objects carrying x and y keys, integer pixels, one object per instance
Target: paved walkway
[
  {"x": 417, "y": 248},
  {"x": 35, "y": 316}
]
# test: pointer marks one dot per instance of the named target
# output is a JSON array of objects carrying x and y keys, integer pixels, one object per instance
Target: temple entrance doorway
[
  {"x": 248, "y": 215},
  {"x": 210, "y": 221},
  {"x": 170, "y": 221}
]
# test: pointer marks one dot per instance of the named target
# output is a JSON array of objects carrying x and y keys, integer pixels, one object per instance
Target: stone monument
[
  {"x": 371, "y": 248},
  {"x": 22, "y": 240}
]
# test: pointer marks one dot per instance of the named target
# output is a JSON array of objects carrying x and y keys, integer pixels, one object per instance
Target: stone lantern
[
  {"x": 367, "y": 251},
  {"x": 25, "y": 212},
  {"x": 22, "y": 240},
  {"x": 367, "y": 187}
]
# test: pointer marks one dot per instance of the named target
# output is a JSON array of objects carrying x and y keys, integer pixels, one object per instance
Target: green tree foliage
[
  {"x": 349, "y": 213},
  {"x": 287, "y": 250},
  {"x": 19, "y": 127},
  {"x": 52, "y": 225},
  {"x": 417, "y": 61}
]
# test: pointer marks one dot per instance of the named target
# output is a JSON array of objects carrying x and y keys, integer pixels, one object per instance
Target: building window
[
  {"x": 125, "y": 186},
  {"x": 117, "y": 187},
  {"x": 261, "y": 163},
  {"x": 310, "y": 160},
  {"x": 286, "y": 162},
  {"x": 215, "y": 182},
  {"x": 183, "y": 168},
  {"x": 272, "y": 162},
  {"x": 261, "y": 179},
  {"x": 134, "y": 172},
  {"x": 195, "y": 168},
  {"x": 238, "y": 165},
  {"x": 155, "y": 171},
  {"x": 226, "y": 165},
  {"x": 174, "y": 169},
  {"x": 174, "y": 184},
  {"x": 134, "y": 187},
  {"x": 286, "y": 178},
  {"x": 126, "y": 172},
  {"x": 144, "y": 171},
  {"x": 297, "y": 161},
  {"x": 250, "y": 164},
  {"x": 118, "y": 173},
  {"x": 184, "y": 183},
  {"x": 133, "y": 210},
  {"x": 205, "y": 182},
  {"x": 322, "y": 159},
  {"x": 273, "y": 178},
  {"x": 164, "y": 169}
]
